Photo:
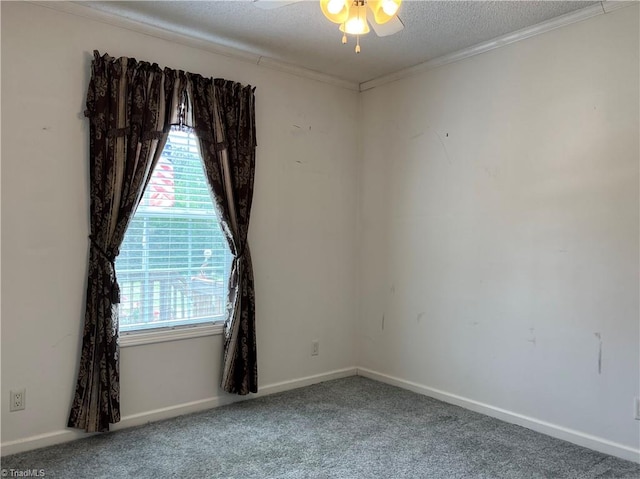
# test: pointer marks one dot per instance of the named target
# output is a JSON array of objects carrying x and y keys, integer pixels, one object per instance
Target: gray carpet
[{"x": 348, "y": 428}]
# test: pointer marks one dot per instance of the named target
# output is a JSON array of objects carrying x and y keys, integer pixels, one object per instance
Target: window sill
[{"x": 176, "y": 333}]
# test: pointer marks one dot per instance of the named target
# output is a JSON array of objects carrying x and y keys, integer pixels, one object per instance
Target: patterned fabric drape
[
  {"x": 224, "y": 121},
  {"x": 131, "y": 106}
]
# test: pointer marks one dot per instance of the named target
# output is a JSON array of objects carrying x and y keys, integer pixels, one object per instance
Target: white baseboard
[
  {"x": 66, "y": 435},
  {"x": 306, "y": 381},
  {"x": 570, "y": 435},
  {"x": 553, "y": 430},
  {"x": 40, "y": 440}
]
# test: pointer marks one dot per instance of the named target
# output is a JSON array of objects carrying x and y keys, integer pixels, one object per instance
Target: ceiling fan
[{"x": 353, "y": 16}]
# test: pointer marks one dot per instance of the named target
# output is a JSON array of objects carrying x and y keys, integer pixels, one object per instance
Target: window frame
[
  {"x": 140, "y": 337},
  {"x": 213, "y": 326}
]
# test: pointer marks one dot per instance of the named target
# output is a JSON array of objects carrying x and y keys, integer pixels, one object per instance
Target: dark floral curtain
[
  {"x": 131, "y": 106},
  {"x": 224, "y": 121}
]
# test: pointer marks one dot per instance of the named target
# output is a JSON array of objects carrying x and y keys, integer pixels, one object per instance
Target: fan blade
[
  {"x": 271, "y": 4},
  {"x": 392, "y": 26}
]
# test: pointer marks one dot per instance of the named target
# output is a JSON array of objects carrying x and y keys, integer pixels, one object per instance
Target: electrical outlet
[
  {"x": 315, "y": 347},
  {"x": 18, "y": 400},
  {"x": 636, "y": 408}
]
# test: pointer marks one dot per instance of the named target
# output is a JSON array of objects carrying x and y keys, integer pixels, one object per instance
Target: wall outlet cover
[{"x": 18, "y": 399}]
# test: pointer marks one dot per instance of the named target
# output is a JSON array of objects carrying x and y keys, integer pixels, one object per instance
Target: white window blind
[{"x": 174, "y": 261}]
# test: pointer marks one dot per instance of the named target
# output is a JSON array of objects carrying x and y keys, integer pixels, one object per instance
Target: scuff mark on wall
[
  {"x": 393, "y": 289},
  {"x": 383, "y": 321},
  {"x": 299, "y": 130},
  {"x": 420, "y": 316},
  {"x": 491, "y": 172},
  {"x": 532, "y": 340},
  {"x": 599, "y": 336},
  {"x": 444, "y": 148}
]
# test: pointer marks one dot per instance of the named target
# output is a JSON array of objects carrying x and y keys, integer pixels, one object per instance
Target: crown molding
[
  {"x": 146, "y": 29},
  {"x": 612, "y": 5},
  {"x": 509, "y": 38},
  {"x": 270, "y": 63},
  {"x": 306, "y": 73},
  {"x": 190, "y": 41}
]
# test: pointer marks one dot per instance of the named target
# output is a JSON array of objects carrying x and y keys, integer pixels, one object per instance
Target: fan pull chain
[{"x": 358, "y": 36}]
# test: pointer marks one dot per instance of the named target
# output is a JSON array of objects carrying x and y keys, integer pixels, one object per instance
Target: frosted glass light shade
[
  {"x": 384, "y": 10},
  {"x": 336, "y": 11},
  {"x": 356, "y": 23}
]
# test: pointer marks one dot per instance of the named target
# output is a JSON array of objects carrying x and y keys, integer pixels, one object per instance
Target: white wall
[
  {"x": 499, "y": 241},
  {"x": 302, "y": 233},
  {"x": 497, "y": 226}
]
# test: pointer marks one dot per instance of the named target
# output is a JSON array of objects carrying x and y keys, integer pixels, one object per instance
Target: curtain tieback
[{"x": 115, "y": 288}]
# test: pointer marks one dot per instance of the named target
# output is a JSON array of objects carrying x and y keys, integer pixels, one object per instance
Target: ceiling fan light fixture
[
  {"x": 390, "y": 7},
  {"x": 335, "y": 6},
  {"x": 384, "y": 10},
  {"x": 336, "y": 11},
  {"x": 356, "y": 23},
  {"x": 355, "y": 16}
]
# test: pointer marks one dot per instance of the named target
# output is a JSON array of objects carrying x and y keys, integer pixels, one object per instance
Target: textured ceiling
[{"x": 299, "y": 34}]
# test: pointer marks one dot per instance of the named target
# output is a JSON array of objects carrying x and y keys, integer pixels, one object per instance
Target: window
[{"x": 174, "y": 261}]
